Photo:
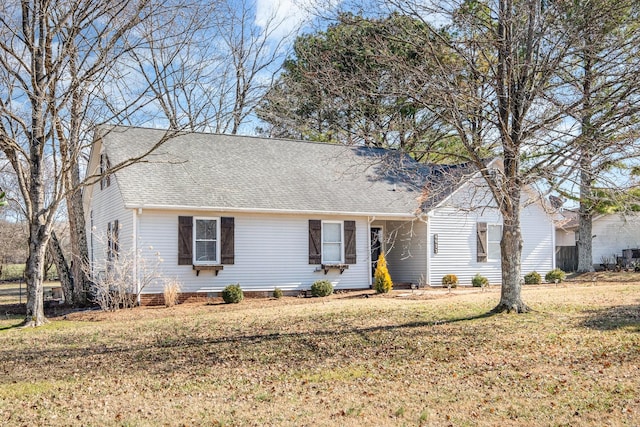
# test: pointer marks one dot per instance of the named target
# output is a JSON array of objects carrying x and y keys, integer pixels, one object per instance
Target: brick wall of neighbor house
[{"x": 270, "y": 251}]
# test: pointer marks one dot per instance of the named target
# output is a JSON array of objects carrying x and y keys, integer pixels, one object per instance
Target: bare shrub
[
  {"x": 120, "y": 277},
  {"x": 171, "y": 293}
]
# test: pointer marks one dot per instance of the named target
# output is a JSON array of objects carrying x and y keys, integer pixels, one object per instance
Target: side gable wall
[
  {"x": 104, "y": 206},
  {"x": 456, "y": 225}
]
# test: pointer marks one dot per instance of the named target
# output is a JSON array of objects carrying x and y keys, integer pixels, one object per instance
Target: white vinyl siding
[
  {"x": 107, "y": 207},
  {"x": 456, "y": 227},
  {"x": 271, "y": 250}
]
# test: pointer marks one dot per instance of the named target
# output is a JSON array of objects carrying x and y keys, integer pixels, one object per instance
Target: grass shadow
[
  {"x": 612, "y": 318},
  {"x": 16, "y": 326},
  {"x": 164, "y": 346}
]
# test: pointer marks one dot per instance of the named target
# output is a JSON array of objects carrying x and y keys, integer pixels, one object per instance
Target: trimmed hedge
[
  {"x": 321, "y": 288},
  {"x": 532, "y": 278},
  {"x": 232, "y": 294}
]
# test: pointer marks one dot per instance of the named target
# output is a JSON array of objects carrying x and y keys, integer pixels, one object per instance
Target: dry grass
[
  {"x": 171, "y": 293},
  {"x": 422, "y": 358}
]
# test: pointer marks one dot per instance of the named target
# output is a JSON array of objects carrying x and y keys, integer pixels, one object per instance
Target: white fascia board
[{"x": 270, "y": 211}]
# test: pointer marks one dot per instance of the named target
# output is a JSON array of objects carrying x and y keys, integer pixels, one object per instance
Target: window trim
[
  {"x": 322, "y": 242},
  {"x": 489, "y": 241},
  {"x": 195, "y": 240}
]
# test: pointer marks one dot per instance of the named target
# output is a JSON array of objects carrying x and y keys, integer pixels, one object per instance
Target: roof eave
[{"x": 402, "y": 215}]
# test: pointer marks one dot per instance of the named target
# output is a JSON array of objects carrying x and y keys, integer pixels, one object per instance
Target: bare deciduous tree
[
  {"x": 53, "y": 55},
  {"x": 504, "y": 55},
  {"x": 210, "y": 67}
]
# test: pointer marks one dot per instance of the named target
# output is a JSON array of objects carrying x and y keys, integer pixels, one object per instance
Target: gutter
[{"x": 268, "y": 211}]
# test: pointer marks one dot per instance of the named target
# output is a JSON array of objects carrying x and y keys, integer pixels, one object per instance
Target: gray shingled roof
[{"x": 212, "y": 171}]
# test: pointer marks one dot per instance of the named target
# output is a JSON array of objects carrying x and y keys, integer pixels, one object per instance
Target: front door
[{"x": 376, "y": 247}]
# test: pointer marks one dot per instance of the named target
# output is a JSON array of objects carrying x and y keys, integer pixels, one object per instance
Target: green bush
[
  {"x": 450, "y": 280},
  {"x": 277, "y": 293},
  {"x": 321, "y": 288},
  {"x": 555, "y": 274},
  {"x": 479, "y": 281},
  {"x": 232, "y": 294},
  {"x": 532, "y": 278}
]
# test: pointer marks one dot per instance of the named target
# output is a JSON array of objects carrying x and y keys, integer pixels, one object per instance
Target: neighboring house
[
  {"x": 613, "y": 236},
  {"x": 269, "y": 213}
]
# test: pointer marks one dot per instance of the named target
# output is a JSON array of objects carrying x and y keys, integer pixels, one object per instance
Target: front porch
[{"x": 405, "y": 245}]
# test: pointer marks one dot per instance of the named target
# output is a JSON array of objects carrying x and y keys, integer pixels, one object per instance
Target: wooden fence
[{"x": 567, "y": 258}]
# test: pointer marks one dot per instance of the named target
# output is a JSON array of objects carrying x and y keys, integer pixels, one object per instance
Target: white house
[
  {"x": 614, "y": 235},
  {"x": 267, "y": 213}
]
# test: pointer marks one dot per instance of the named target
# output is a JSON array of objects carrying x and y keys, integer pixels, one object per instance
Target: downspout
[
  {"x": 370, "y": 220},
  {"x": 424, "y": 217},
  {"x": 553, "y": 245},
  {"x": 136, "y": 213}
]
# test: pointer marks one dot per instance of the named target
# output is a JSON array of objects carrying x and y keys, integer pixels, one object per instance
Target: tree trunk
[
  {"x": 511, "y": 255},
  {"x": 66, "y": 279},
  {"x": 79, "y": 248},
  {"x": 585, "y": 240},
  {"x": 585, "y": 211},
  {"x": 34, "y": 273}
]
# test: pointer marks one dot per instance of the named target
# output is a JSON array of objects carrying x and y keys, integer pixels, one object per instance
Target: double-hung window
[
  {"x": 494, "y": 235},
  {"x": 206, "y": 241},
  {"x": 332, "y": 242}
]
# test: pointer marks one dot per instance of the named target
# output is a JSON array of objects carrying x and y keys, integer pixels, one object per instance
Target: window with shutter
[
  {"x": 206, "y": 241},
  {"x": 116, "y": 239},
  {"x": 113, "y": 245},
  {"x": 105, "y": 165},
  {"x": 332, "y": 251},
  {"x": 332, "y": 242}
]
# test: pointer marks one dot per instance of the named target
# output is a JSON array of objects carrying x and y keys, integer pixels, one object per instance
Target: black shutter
[
  {"x": 185, "y": 240},
  {"x": 108, "y": 173},
  {"x": 102, "y": 167},
  {"x": 227, "y": 231},
  {"x": 315, "y": 241},
  {"x": 109, "y": 242},
  {"x": 482, "y": 242},
  {"x": 350, "y": 242},
  {"x": 116, "y": 235}
]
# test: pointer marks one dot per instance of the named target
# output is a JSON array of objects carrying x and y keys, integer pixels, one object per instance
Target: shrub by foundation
[
  {"x": 232, "y": 294},
  {"x": 450, "y": 280},
  {"x": 532, "y": 278},
  {"x": 321, "y": 288}
]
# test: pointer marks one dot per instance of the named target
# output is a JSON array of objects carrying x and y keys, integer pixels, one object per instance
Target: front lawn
[{"x": 424, "y": 358}]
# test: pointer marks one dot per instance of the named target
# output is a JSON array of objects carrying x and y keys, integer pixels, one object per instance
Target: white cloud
[{"x": 289, "y": 15}]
